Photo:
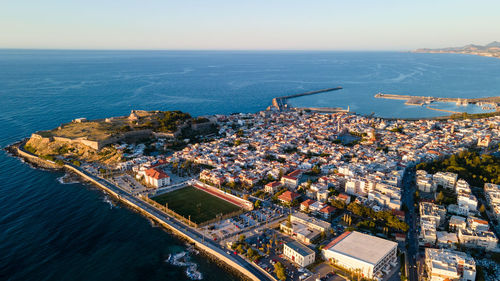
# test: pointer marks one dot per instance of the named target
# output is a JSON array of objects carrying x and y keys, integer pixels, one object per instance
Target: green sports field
[{"x": 199, "y": 204}]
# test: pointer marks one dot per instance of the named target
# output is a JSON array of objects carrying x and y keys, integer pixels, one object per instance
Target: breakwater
[
  {"x": 247, "y": 269},
  {"x": 280, "y": 103}
]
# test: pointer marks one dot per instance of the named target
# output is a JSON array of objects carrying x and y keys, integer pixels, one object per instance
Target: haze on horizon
[{"x": 247, "y": 25}]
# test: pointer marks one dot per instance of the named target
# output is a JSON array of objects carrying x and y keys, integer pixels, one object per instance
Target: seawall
[{"x": 129, "y": 202}]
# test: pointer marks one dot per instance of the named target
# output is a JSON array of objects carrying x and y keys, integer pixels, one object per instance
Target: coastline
[
  {"x": 451, "y": 52},
  {"x": 244, "y": 269}
]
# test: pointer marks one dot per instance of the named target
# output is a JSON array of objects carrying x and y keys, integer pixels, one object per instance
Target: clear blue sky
[{"x": 250, "y": 24}]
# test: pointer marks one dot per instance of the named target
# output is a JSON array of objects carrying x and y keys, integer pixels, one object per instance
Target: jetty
[
  {"x": 280, "y": 103},
  {"x": 326, "y": 109}
]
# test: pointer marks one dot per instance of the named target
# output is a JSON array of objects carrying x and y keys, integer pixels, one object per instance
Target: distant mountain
[
  {"x": 494, "y": 44},
  {"x": 490, "y": 50}
]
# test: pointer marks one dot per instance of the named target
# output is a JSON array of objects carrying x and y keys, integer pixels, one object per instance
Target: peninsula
[
  {"x": 490, "y": 50},
  {"x": 288, "y": 193}
]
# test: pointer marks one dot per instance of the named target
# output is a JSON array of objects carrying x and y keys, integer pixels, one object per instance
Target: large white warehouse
[{"x": 354, "y": 250}]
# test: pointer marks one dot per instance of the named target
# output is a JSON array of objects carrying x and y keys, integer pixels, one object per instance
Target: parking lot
[
  {"x": 129, "y": 183},
  {"x": 324, "y": 272},
  {"x": 243, "y": 223}
]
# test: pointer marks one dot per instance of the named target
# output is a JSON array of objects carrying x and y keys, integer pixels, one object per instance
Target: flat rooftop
[
  {"x": 299, "y": 248},
  {"x": 361, "y": 246}
]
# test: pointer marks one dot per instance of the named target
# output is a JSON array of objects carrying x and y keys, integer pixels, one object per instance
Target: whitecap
[{"x": 182, "y": 259}]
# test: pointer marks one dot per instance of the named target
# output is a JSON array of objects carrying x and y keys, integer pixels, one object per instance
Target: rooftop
[
  {"x": 361, "y": 246},
  {"x": 299, "y": 248}
]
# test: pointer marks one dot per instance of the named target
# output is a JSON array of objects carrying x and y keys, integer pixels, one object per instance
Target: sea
[{"x": 56, "y": 230}]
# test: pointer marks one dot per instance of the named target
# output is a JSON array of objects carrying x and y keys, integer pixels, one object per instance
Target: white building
[
  {"x": 485, "y": 239},
  {"x": 425, "y": 182},
  {"x": 304, "y": 228},
  {"x": 272, "y": 187},
  {"x": 156, "y": 177},
  {"x": 445, "y": 179},
  {"x": 462, "y": 186},
  {"x": 373, "y": 256},
  {"x": 492, "y": 194},
  {"x": 478, "y": 224},
  {"x": 432, "y": 211},
  {"x": 468, "y": 201},
  {"x": 358, "y": 187},
  {"x": 444, "y": 264},
  {"x": 298, "y": 253},
  {"x": 457, "y": 222}
]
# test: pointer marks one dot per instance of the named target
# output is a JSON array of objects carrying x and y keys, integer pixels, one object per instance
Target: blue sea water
[{"x": 54, "y": 231}]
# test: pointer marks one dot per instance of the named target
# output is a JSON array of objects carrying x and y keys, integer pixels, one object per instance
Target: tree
[
  {"x": 440, "y": 197},
  {"x": 242, "y": 238},
  {"x": 316, "y": 170},
  {"x": 240, "y": 249},
  {"x": 279, "y": 269},
  {"x": 250, "y": 253},
  {"x": 482, "y": 209},
  {"x": 257, "y": 204},
  {"x": 289, "y": 222}
]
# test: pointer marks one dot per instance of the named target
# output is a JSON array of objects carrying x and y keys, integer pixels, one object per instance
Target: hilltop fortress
[
  {"x": 91, "y": 139},
  {"x": 97, "y": 134}
]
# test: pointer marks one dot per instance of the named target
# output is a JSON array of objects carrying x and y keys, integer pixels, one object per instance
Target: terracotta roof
[
  {"x": 289, "y": 177},
  {"x": 480, "y": 221},
  {"x": 328, "y": 209},
  {"x": 295, "y": 173},
  {"x": 343, "y": 196},
  {"x": 156, "y": 174},
  {"x": 273, "y": 184},
  {"x": 308, "y": 202},
  {"x": 288, "y": 196}
]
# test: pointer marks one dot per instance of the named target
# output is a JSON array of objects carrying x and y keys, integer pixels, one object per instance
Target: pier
[{"x": 280, "y": 103}]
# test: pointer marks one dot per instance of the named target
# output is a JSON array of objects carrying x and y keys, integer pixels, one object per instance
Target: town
[{"x": 310, "y": 196}]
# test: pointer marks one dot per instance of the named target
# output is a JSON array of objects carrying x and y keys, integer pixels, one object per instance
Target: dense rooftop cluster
[{"x": 270, "y": 144}]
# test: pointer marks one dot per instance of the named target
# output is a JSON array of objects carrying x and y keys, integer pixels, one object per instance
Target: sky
[{"x": 247, "y": 25}]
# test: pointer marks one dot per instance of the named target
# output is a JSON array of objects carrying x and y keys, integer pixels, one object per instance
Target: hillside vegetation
[{"x": 476, "y": 169}]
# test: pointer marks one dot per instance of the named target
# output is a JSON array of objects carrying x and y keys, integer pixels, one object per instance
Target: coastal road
[
  {"x": 410, "y": 217},
  {"x": 173, "y": 223}
]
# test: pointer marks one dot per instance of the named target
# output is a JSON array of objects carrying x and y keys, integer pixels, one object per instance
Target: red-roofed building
[
  {"x": 304, "y": 206},
  {"x": 272, "y": 187},
  {"x": 288, "y": 197},
  {"x": 292, "y": 179},
  {"x": 344, "y": 197},
  {"x": 296, "y": 173},
  {"x": 327, "y": 211},
  {"x": 156, "y": 177}
]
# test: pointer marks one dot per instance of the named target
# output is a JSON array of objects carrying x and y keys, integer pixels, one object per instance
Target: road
[
  {"x": 173, "y": 223},
  {"x": 412, "y": 238}
]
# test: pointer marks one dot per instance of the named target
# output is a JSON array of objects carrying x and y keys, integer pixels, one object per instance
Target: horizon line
[{"x": 211, "y": 50}]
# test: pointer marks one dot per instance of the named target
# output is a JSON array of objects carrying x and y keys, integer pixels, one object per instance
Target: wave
[
  {"x": 107, "y": 199},
  {"x": 182, "y": 259},
  {"x": 67, "y": 179}
]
